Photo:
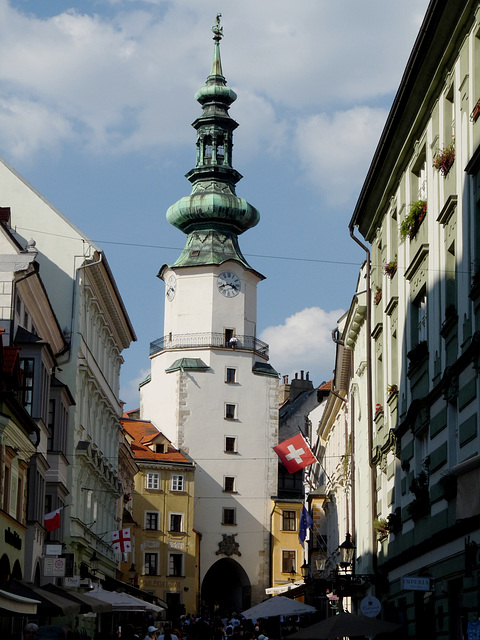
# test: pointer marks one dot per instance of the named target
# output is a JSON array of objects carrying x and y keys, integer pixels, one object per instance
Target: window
[
  {"x": 419, "y": 313},
  {"x": 27, "y": 369},
  {"x": 229, "y": 484},
  {"x": 289, "y": 521},
  {"x": 178, "y": 483},
  {"x": 288, "y": 561},
  {"x": 230, "y": 375},
  {"x": 229, "y": 516},
  {"x": 152, "y": 520},
  {"x": 152, "y": 480},
  {"x": 230, "y": 444},
  {"x": 151, "y": 564},
  {"x": 230, "y": 411},
  {"x": 176, "y": 522},
  {"x": 175, "y": 564},
  {"x": 160, "y": 448},
  {"x": 51, "y": 425}
]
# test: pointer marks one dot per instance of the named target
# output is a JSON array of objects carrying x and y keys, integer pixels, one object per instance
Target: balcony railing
[{"x": 201, "y": 340}]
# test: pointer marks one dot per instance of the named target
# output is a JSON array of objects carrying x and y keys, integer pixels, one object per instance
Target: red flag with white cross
[
  {"x": 121, "y": 540},
  {"x": 295, "y": 453}
]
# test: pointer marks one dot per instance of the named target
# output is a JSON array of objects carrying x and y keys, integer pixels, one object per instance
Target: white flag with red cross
[
  {"x": 295, "y": 453},
  {"x": 121, "y": 541}
]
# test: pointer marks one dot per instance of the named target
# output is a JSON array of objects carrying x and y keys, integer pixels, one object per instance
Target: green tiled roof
[
  {"x": 188, "y": 364},
  {"x": 265, "y": 369}
]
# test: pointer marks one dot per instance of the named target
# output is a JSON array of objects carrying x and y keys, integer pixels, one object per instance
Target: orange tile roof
[
  {"x": 143, "y": 433},
  {"x": 326, "y": 385}
]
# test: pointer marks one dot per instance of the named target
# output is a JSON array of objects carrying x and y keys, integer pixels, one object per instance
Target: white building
[
  {"x": 83, "y": 474},
  {"x": 211, "y": 389}
]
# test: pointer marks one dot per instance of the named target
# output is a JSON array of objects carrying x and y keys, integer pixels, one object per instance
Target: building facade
[
  {"x": 211, "y": 390},
  {"x": 419, "y": 212},
  {"x": 79, "y": 372},
  {"x": 165, "y": 543}
]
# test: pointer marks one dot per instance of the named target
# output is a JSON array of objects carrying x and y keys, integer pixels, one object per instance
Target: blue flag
[{"x": 306, "y": 521}]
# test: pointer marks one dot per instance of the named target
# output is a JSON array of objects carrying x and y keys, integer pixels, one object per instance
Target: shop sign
[
  {"x": 416, "y": 583},
  {"x": 54, "y": 567},
  {"x": 370, "y": 606}
]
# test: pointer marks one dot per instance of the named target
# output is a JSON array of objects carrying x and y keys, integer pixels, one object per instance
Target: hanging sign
[{"x": 370, "y": 606}]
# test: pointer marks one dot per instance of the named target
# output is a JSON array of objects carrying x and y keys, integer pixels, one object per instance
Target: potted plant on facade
[
  {"x": 417, "y": 354},
  {"x": 420, "y": 505},
  {"x": 381, "y": 528},
  {"x": 378, "y": 296},
  {"x": 413, "y": 219},
  {"x": 444, "y": 159},
  {"x": 392, "y": 390},
  {"x": 394, "y": 521},
  {"x": 390, "y": 268},
  {"x": 378, "y": 410}
]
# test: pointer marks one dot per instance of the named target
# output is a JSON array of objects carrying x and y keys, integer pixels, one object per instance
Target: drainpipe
[{"x": 369, "y": 395}]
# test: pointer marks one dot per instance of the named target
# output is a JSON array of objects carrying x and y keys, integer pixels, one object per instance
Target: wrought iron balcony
[{"x": 202, "y": 340}]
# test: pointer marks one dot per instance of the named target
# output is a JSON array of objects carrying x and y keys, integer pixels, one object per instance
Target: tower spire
[{"x": 213, "y": 215}]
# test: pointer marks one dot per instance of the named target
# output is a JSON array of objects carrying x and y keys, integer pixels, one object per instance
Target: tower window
[
  {"x": 229, "y": 484},
  {"x": 230, "y": 375},
  {"x": 230, "y": 411},
  {"x": 230, "y": 444},
  {"x": 229, "y": 516},
  {"x": 207, "y": 149}
]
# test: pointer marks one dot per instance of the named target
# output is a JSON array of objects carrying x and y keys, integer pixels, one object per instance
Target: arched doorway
[
  {"x": 5, "y": 570},
  {"x": 226, "y": 585}
]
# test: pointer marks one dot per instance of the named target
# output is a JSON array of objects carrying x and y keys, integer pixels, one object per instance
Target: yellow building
[
  {"x": 287, "y": 552},
  {"x": 165, "y": 545}
]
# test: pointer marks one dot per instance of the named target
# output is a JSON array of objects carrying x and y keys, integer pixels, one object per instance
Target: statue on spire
[{"x": 217, "y": 29}]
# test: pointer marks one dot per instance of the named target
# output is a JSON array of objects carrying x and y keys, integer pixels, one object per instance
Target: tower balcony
[{"x": 208, "y": 340}]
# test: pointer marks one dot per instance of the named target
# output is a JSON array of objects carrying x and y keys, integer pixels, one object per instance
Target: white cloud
[
  {"x": 304, "y": 343},
  {"x": 125, "y": 80},
  {"x": 336, "y": 151},
  {"x": 129, "y": 393}
]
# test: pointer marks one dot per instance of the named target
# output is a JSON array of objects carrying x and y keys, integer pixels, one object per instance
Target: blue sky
[{"x": 96, "y": 103}]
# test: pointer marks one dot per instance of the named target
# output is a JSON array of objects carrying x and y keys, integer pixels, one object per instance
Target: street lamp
[
  {"x": 94, "y": 560},
  {"x": 293, "y": 573},
  {"x": 347, "y": 552},
  {"x": 132, "y": 571}
]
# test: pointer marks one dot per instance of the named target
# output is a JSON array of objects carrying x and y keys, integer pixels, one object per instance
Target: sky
[{"x": 96, "y": 106}]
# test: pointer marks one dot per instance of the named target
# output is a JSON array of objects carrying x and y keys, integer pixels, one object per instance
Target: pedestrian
[
  {"x": 167, "y": 634},
  {"x": 30, "y": 631},
  {"x": 151, "y": 633},
  {"x": 232, "y": 343}
]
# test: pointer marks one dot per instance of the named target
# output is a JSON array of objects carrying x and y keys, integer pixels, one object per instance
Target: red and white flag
[
  {"x": 121, "y": 540},
  {"x": 52, "y": 520},
  {"x": 295, "y": 453}
]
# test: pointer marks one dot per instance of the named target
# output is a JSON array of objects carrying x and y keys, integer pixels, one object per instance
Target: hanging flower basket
[
  {"x": 444, "y": 159},
  {"x": 413, "y": 220}
]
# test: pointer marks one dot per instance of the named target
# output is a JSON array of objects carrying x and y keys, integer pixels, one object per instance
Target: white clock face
[
  {"x": 171, "y": 288},
  {"x": 228, "y": 284}
]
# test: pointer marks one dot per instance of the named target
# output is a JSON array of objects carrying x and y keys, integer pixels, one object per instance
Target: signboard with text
[{"x": 416, "y": 583}]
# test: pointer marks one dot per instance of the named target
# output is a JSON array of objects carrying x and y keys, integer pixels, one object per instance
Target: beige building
[{"x": 165, "y": 544}]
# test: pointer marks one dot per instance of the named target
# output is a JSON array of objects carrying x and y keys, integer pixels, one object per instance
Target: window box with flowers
[
  {"x": 378, "y": 411},
  {"x": 392, "y": 391},
  {"x": 390, "y": 268},
  {"x": 444, "y": 159},
  {"x": 413, "y": 220},
  {"x": 377, "y": 297}
]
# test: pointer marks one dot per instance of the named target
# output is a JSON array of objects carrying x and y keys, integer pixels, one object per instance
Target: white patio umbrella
[
  {"x": 278, "y": 606},
  {"x": 121, "y": 601}
]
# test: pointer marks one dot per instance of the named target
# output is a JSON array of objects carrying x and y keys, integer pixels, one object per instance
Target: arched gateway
[{"x": 227, "y": 586}]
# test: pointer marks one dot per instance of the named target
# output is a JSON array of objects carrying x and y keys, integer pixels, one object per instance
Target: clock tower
[{"x": 211, "y": 390}]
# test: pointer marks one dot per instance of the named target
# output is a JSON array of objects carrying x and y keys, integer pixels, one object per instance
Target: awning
[
  {"x": 18, "y": 604},
  {"x": 112, "y": 584},
  {"x": 50, "y": 604},
  {"x": 87, "y": 604},
  {"x": 123, "y": 601}
]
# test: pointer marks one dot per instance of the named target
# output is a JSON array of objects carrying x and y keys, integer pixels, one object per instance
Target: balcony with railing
[{"x": 208, "y": 340}]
